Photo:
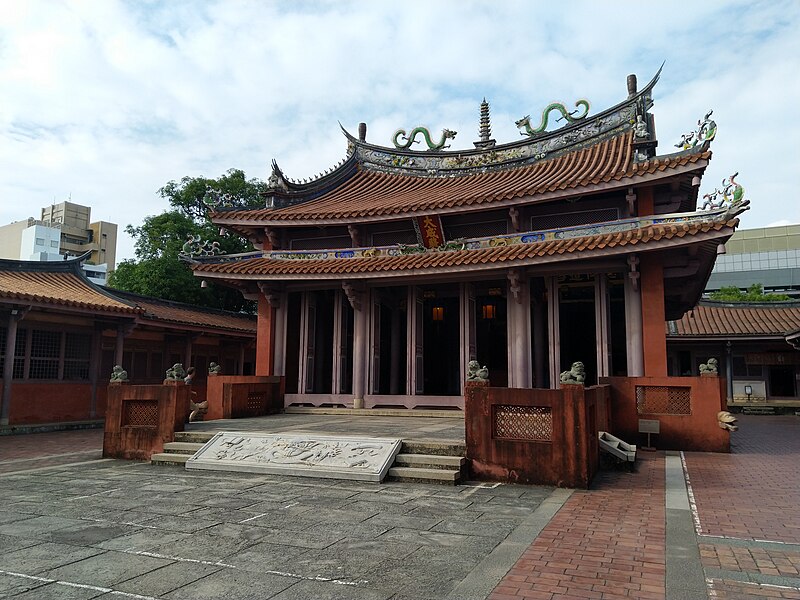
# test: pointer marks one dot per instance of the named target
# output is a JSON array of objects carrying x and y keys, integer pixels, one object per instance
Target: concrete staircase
[
  {"x": 429, "y": 462},
  {"x": 185, "y": 445},
  {"x": 418, "y": 461}
]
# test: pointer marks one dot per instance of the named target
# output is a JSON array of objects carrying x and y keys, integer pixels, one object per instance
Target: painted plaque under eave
[{"x": 335, "y": 457}]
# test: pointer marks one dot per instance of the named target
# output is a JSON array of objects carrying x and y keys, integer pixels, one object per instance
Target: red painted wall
[
  {"x": 214, "y": 394},
  {"x": 697, "y": 431},
  {"x": 50, "y": 403},
  {"x": 569, "y": 459}
]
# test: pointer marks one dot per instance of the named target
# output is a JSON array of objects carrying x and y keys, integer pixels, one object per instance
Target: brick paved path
[
  {"x": 610, "y": 542},
  {"x": 747, "y": 507},
  {"x": 34, "y": 450},
  {"x": 605, "y": 543}
]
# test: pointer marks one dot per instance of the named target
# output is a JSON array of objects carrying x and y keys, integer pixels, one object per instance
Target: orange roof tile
[
  {"x": 728, "y": 319},
  {"x": 58, "y": 288},
  {"x": 344, "y": 267},
  {"x": 371, "y": 193},
  {"x": 185, "y": 314}
]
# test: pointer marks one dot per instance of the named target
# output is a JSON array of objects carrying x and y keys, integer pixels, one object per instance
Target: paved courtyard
[{"x": 681, "y": 526}]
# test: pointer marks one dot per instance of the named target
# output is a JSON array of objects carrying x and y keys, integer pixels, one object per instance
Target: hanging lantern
[
  {"x": 489, "y": 311},
  {"x": 438, "y": 313}
]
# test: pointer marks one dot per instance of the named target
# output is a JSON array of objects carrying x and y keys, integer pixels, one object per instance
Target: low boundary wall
[
  {"x": 685, "y": 407},
  {"x": 535, "y": 436}
]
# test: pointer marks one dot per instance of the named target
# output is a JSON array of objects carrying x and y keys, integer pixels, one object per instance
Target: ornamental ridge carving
[
  {"x": 196, "y": 247},
  {"x": 705, "y": 132},
  {"x": 409, "y": 139},
  {"x": 570, "y": 117}
]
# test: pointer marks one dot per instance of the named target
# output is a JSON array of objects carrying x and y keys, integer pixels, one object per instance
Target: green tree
[
  {"x": 157, "y": 270},
  {"x": 755, "y": 293}
]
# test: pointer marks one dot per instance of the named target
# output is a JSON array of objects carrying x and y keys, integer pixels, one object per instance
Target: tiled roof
[
  {"x": 61, "y": 288},
  {"x": 371, "y": 193},
  {"x": 186, "y": 314},
  {"x": 710, "y": 319},
  {"x": 344, "y": 267}
]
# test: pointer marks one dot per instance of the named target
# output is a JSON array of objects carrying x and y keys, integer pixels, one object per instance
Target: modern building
[
  {"x": 64, "y": 230},
  {"x": 381, "y": 280},
  {"x": 768, "y": 255}
]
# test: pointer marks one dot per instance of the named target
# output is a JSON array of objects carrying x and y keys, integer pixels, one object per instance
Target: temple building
[{"x": 380, "y": 280}]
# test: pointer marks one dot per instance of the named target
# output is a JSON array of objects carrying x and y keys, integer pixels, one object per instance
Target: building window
[
  {"x": 54, "y": 243},
  {"x": 48, "y": 354},
  {"x": 40, "y": 241},
  {"x": 45, "y": 352}
]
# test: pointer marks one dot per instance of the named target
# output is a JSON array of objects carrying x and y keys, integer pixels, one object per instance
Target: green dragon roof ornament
[
  {"x": 410, "y": 138},
  {"x": 571, "y": 117},
  {"x": 705, "y": 132}
]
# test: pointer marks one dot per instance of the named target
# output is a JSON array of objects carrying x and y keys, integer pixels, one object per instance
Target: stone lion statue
[
  {"x": 214, "y": 368},
  {"x": 176, "y": 372},
  {"x": 475, "y": 372},
  {"x": 711, "y": 367},
  {"x": 119, "y": 374},
  {"x": 577, "y": 374}
]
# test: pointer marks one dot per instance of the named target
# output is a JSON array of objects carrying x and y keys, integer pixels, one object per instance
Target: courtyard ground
[{"x": 697, "y": 525}]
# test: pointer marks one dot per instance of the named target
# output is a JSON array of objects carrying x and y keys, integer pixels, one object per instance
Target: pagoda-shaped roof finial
[{"x": 485, "y": 131}]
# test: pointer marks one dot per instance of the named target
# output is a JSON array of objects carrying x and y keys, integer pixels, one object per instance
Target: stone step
[
  {"x": 166, "y": 458},
  {"x": 433, "y": 447},
  {"x": 376, "y": 412},
  {"x": 758, "y": 410},
  {"x": 418, "y": 475},
  {"x": 182, "y": 447},
  {"x": 430, "y": 461},
  {"x": 193, "y": 437}
]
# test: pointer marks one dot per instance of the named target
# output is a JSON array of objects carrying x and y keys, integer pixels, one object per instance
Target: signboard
[
  {"x": 429, "y": 231},
  {"x": 649, "y": 426},
  {"x": 772, "y": 358}
]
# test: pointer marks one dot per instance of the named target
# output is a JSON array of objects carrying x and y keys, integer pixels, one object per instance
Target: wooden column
[
  {"x": 467, "y": 326},
  {"x": 360, "y": 329},
  {"x": 539, "y": 342},
  {"x": 519, "y": 330},
  {"x": 601, "y": 325},
  {"x": 279, "y": 342},
  {"x": 119, "y": 346},
  {"x": 553, "y": 331},
  {"x": 265, "y": 337},
  {"x": 8, "y": 366},
  {"x": 633, "y": 327},
  {"x": 187, "y": 351},
  {"x": 94, "y": 366},
  {"x": 654, "y": 333}
]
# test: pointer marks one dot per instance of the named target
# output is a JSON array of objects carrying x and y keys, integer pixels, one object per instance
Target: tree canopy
[
  {"x": 755, "y": 293},
  {"x": 157, "y": 270}
]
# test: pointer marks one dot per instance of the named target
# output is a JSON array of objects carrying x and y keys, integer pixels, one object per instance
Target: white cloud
[{"x": 108, "y": 100}]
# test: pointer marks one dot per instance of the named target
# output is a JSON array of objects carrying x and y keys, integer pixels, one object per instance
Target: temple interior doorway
[
  {"x": 292, "y": 370},
  {"x": 390, "y": 355},
  {"x": 491, "y": 331},
  {"x": 617, "y": 326},
  {"x": 441, "y": 341},
  {"x": 318, "y": 333},
  {"x": 577, "y": 324}
]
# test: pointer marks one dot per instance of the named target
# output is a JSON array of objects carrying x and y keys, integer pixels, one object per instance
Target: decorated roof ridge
[
  {"x": 461, "y": 261},
  {"x": 183, "y": 305},
  {"x": 792, "y": 303},
  {"x": 578, "y": 133},
  {"x": 717, "y": 215},
  {"x": 283, "y": 191},
  {"x": 70, "y": 266}
]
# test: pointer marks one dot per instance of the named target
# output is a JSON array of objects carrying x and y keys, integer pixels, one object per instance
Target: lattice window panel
[
  {"x": 473, "y": 230},
  {"x": 140, "y": 413},
  {"x": 663, "y": 400},
  {"x": 523, "y": 422},
  {"x": 45, "y": 354},
  {"x": 321, "y": 243},
  {"x": 571, "y": 219},
  {"x": 256, "y": 402},
  {"x": 77, "y": 350}
]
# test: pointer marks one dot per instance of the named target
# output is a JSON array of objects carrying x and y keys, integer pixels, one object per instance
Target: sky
[{"x": 105, "y": 101}]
